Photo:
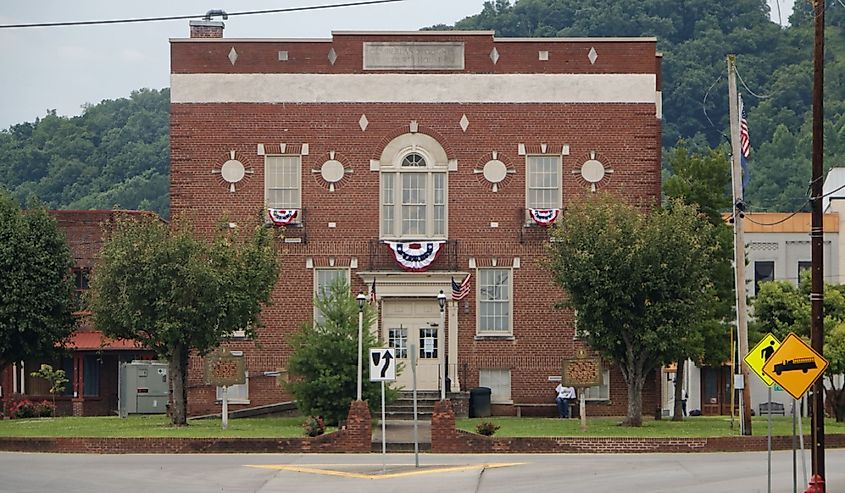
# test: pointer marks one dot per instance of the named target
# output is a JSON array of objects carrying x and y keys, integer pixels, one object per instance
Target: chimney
[{"x": 207, "y": 28}]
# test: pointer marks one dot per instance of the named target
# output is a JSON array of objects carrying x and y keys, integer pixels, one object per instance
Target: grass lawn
[
  {"x": 152, "y": 426},
  {"x": 699, "y": 426}
]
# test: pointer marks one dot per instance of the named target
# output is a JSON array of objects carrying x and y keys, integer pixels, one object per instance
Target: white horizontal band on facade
[{"x": 413, "y": 88}]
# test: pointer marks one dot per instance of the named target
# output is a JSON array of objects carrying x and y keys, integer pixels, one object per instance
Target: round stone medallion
[
  {"x": 495, "y": 171},
  {"x": 592, "y": 171},
  {"x": 232, "y": 171},
  {"x": 332, "y": 171}
]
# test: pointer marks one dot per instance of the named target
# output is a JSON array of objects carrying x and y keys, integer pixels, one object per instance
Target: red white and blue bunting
[
  {"x": 282, "y": 217},
  {"x": 415, "y": 256},
  {"x": 544, "y": 217}
]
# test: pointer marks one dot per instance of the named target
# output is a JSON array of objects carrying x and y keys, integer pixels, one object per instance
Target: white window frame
[
  {"x": 598, "y": 392},
  {"x": 316, "y": 287},
  {"x": 436, "y": 168},
  {"x": 529, "y": 162},
  {"x": 268, "y": 181},
  {"x": 498, "y": 380},
  {"x": 401, "y": 351},
  {"x": 480, "y": 301}
]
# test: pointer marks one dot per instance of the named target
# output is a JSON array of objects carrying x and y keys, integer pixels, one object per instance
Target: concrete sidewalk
[{"x": 402, "y": 432}]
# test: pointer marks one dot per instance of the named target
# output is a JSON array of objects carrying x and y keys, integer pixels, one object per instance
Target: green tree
[
  {"x": 703, "y": 180},
  {"x": 638, "y": 279},
  {"x": 176, "y": 293},
  {"x": 781, "y": 307},
  {"x": 56, "y": 378},
  {"x": 36, "y": 301},
  {"x": 324, "y": 363}
]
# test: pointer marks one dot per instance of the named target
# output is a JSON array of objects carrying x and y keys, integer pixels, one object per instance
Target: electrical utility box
[{"x": 142, "y": 388}]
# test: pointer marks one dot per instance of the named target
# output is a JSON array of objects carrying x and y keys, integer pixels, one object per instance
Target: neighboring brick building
[
  {"x": 437, "y": 142},
  {"x": 91, "y": 360}
]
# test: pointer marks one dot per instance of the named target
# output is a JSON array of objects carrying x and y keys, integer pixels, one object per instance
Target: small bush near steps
[
  {"x": 487, "y": 428},
  {"x": 314, "y": 426}
]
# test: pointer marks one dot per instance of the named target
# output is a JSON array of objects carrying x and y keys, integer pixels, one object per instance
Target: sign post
[
  {"x": 755, "y": 360},
  {"x": 416, "y": 425},
  {"x": 581, "y": 372},
  {"x": 383, "y": 369},
  {"x": 223, "y": 369}
]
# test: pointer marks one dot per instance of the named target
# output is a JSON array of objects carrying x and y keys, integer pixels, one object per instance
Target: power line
[{"x": 183, "y": 17}]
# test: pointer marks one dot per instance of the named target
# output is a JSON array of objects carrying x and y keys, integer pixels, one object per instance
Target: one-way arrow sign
[{"x": 382, "y": 365}]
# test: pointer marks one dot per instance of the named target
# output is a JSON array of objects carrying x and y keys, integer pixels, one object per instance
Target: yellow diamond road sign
[
  {"x": 795, "y": 366},
  {"x": 760, "y": 354}
]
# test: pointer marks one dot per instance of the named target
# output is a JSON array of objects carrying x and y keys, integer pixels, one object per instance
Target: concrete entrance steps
[{"x": 403, "y": 407}]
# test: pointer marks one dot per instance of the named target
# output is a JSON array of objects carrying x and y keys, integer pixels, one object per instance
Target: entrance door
[{"x": 414, "y": 323}]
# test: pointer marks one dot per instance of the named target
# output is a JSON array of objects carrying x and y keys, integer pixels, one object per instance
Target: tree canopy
[
  {"x": 176, "y": 293},
  {"x": 638, "y": 280},
  {"x": 36, "y": 299},
  {"x": 324, "y": 363}
]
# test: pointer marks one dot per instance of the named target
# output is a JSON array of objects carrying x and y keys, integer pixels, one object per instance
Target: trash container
[{"x": 479, "y": 402}]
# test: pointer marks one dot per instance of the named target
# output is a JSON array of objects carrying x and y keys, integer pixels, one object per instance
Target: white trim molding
[{"x": 413, "y": 88}]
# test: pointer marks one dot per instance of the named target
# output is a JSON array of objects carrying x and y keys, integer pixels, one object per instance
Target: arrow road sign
[
  {"x": 795, "y": 366},
  {"x": 760, "y": 354},
  {"x": 382, "y": 365}
]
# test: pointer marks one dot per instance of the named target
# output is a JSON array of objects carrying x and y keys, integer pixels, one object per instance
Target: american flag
[
  {"x": 460, "y": 291},
  {"x": 373, "y": 291},
  {"x": 744, "y": 143}
]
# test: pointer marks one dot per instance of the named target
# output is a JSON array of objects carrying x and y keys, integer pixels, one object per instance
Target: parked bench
[
  {"x": 772, "y": 408},
  {"x": 530, "y": 405}
]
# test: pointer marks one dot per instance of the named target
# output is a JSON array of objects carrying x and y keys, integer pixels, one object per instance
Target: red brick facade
[{"x": 340, "y": 224}]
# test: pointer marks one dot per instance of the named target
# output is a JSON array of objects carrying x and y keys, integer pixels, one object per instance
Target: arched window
[{"x": 414, "y": 189}]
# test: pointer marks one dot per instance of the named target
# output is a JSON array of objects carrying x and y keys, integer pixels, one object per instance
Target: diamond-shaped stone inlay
[
  {"x": 233, "y": 55},
  {"x": 494, "y": 55},
  {"x": 332, "y": 56},
  {"x": 464, "y": 123},
  {"x": 592, "y": 56},
  {"x": 363, "y": 122}
]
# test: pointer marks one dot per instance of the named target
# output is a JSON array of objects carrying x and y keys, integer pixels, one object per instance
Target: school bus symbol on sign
[{"x": 795, "y": 366}]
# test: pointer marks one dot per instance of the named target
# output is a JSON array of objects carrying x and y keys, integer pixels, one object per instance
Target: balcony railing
[{"x": 381, "y": 257}]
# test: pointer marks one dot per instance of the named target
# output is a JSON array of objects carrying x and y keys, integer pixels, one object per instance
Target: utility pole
[
  {"x": 739, "y": 244},
  {"x": 817, "y": 241}
]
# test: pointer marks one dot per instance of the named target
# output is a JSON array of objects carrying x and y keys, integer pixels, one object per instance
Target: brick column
[
  {"x": 358, "y": 435},
  {"x": 77, "y": 406},
  {"x": 443, "y": 433}
]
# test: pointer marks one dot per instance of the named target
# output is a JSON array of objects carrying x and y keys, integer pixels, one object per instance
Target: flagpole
[{"x": 739, "y": 244}]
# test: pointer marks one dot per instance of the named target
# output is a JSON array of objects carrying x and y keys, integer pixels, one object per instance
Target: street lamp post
[
  {"x": 441, "y": 344},
  {"x": 361, "y": 300}
]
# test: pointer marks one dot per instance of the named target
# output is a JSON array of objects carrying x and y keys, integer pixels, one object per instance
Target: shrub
[
  {"x": 25, "y": 408},
  {"x": 314, "y": 426},
  {"x": 487, "y": 428}
]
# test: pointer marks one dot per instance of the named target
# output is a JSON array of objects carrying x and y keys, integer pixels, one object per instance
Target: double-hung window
[
  {"x": 282, "y": 182},
  {"x": 495, "y": 308},
  {"x": 413, "y": 198},
  {"x": 323, "y": 280},
  {"x": 543, "y": 182}
]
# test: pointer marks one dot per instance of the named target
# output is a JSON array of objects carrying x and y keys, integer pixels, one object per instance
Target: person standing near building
[{"x": 565, "y": 395}]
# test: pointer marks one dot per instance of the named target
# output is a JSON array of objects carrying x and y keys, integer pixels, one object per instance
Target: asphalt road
[{"x": 335, "y": 473}]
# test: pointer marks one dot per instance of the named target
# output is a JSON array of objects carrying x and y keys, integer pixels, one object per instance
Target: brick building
[
  {"x": 90, "y": 360},
  {"x": 404, "y": 161}
]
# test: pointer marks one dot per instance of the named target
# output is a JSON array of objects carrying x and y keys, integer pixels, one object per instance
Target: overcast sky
[{"x": 63, "y": 68}]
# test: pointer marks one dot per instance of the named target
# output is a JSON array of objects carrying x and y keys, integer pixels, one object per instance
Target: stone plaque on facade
[
  {"x": 413, "y": 55},
  {"x": 223, "y": 369},
  {"x": 582, "y": 371}
]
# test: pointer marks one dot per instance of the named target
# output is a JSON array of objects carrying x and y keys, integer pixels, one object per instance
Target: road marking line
[{"x": 416, "y": 472}]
